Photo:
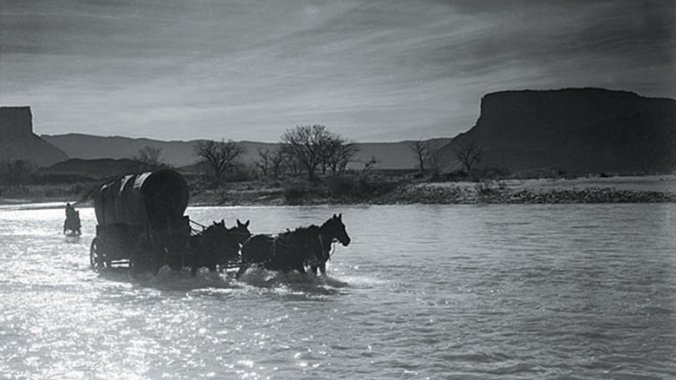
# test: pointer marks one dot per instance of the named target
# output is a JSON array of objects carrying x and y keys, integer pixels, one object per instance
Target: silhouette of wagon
[{"x": 141, "y": 223}]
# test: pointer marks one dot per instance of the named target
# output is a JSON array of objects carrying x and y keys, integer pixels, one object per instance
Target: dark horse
[
  {"x": 216, "y": 245},
  {"x": 72, "y": 223},
  {"x": 294, "y": 250}
]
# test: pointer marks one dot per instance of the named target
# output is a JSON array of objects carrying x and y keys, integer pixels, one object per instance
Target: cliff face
[
  {"x": 15, "y": 122},
  {"x": 577, "y": 131},
  {"x": 17, "y": 140}
]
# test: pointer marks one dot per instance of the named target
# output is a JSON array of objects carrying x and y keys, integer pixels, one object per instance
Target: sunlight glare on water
[{"x": 500, "y": 291}]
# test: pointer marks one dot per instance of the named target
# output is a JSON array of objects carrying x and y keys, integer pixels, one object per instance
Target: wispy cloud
[{"x": 371, "y": 70}]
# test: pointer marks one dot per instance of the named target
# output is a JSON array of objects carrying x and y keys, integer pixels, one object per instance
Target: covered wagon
[{"x": 141, "y": 222}]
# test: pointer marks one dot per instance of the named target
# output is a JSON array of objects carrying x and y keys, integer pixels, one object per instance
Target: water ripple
[{"x": 457, "y": 292}]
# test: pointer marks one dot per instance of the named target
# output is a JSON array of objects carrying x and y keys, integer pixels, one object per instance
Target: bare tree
[
  {"x": 219, "y": 157},
  {"x": 290, "y": 163},
  {"x": 469, "y": 154},
  {"x": 338, "y": 153},
  {"x": 149, "y": 156},
  {"x": 421, "y": 152},
  {"x": 305, "y": 144},
  {"x": 264, "y": 161},
  {"x": 277, "y": 160},
  {"x": 435, "y": 161}
]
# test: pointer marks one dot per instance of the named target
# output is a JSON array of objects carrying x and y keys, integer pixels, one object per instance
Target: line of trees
[
  {"x": 219, "y": 157},
  {"x": 315, "y": 147},
  {"x": 309, "y": 149},
  {"x": 305, "y": 148}
]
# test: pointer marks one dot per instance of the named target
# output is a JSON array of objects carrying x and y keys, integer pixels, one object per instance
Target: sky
[{"x": 373, "y": 70}]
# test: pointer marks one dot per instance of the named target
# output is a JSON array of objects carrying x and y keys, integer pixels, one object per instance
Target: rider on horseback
[
  {"x": 72, "y": 222},
  {"x": 70, "y": 211}
]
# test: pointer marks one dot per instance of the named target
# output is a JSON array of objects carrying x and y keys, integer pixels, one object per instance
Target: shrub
[
  {"x": 294, "y": 192},
  {"x": 360, "y": 188}
]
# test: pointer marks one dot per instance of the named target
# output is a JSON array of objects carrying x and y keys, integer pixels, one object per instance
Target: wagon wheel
[
  {"x": 96, "y": 256},
  {"x": 135, "y": 263},
  {"x": 133, "y": 266}
]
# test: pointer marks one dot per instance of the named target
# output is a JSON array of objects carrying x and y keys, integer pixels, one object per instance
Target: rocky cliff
[
  {"x": 17, "y": 140},
  {"x": 572, "y": 131}
]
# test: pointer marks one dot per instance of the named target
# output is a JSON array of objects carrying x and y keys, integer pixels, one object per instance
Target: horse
[
  {"x": 240, "y": 232},
  {"x": 216, "y": 245},
  {"x": 294, "y": 250},
  {"x": 72, "y": 223},
  {"x": 332, "y": 230}
]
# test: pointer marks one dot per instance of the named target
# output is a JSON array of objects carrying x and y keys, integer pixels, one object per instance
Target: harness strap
[{"x": 197, "y": 224}]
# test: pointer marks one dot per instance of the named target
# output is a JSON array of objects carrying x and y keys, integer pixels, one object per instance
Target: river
[{"x": 422, "y": 292}]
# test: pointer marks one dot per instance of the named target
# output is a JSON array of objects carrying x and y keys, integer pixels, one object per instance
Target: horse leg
[
  {"x": 322, "y": 268},
  {"x": 313, "y": 269},
  {"x": 193, "y": 270}
]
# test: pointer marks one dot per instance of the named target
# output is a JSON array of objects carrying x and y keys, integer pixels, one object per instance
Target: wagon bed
[{"x": 141, "y": 222}]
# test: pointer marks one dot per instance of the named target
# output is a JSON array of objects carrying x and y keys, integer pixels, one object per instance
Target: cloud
[{"x": 371, "y": 70}]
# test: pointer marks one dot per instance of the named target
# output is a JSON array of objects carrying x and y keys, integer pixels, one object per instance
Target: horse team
[{"x": 301, "y": 249}]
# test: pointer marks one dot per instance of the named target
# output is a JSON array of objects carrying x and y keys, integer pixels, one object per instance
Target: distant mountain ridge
[
  {"x": 182, "y": 153},
  {"x": 18, "y": 142},
  {"x": 574, "y": 131}
]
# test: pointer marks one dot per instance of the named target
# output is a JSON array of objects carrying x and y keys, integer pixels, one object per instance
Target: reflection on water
[{"x": 522, "y": 291}]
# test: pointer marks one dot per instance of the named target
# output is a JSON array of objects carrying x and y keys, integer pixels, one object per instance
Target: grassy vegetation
[{"x": 340, "y": 189}]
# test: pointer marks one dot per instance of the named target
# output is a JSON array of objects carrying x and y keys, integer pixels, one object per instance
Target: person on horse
[
  {"x": 72, "y": 222},
  {"x": 70, "y": 211}
]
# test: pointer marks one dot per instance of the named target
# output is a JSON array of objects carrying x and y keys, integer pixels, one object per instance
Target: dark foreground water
[{"x": 439, "y": 292}]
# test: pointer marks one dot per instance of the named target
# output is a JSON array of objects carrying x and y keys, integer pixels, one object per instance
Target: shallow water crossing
[{"x": 499, "y": 291}]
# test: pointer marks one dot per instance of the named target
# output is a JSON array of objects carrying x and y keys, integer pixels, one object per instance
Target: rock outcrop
[
  {"x": 572, "y": 131},
  {"x": 17, "y": 140}
]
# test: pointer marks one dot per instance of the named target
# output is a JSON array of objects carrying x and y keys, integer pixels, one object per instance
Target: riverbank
[
  {"x": 383, "y": 190},
  {"x": 499, "y": 193},
  {"x": 648, "y": 189}
]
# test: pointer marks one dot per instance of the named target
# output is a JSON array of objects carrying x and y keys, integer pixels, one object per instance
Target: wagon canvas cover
[{"x": 156, "y": 198}]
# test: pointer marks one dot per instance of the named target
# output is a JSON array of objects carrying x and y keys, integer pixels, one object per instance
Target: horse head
[
  {"x": 216, "y": 228},
  {"x": 240, "y": 231},
  {"x": 216, "y": 233},
  {"x": 335, "y": 229},
  {"x": 220, "y": 239}
]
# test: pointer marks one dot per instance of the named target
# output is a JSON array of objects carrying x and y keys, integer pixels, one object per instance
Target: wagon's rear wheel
[
  {"x": 136, "y": 262},
  {"x": 133, "y": 266},
  {"x": 96, "y": 257}
]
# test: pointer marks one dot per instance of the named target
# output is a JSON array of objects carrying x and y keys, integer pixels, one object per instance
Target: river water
[{"x": 439, "y": 292}]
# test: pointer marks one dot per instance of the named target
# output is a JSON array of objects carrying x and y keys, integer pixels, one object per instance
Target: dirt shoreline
[{"x": 653, "y": 189}]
